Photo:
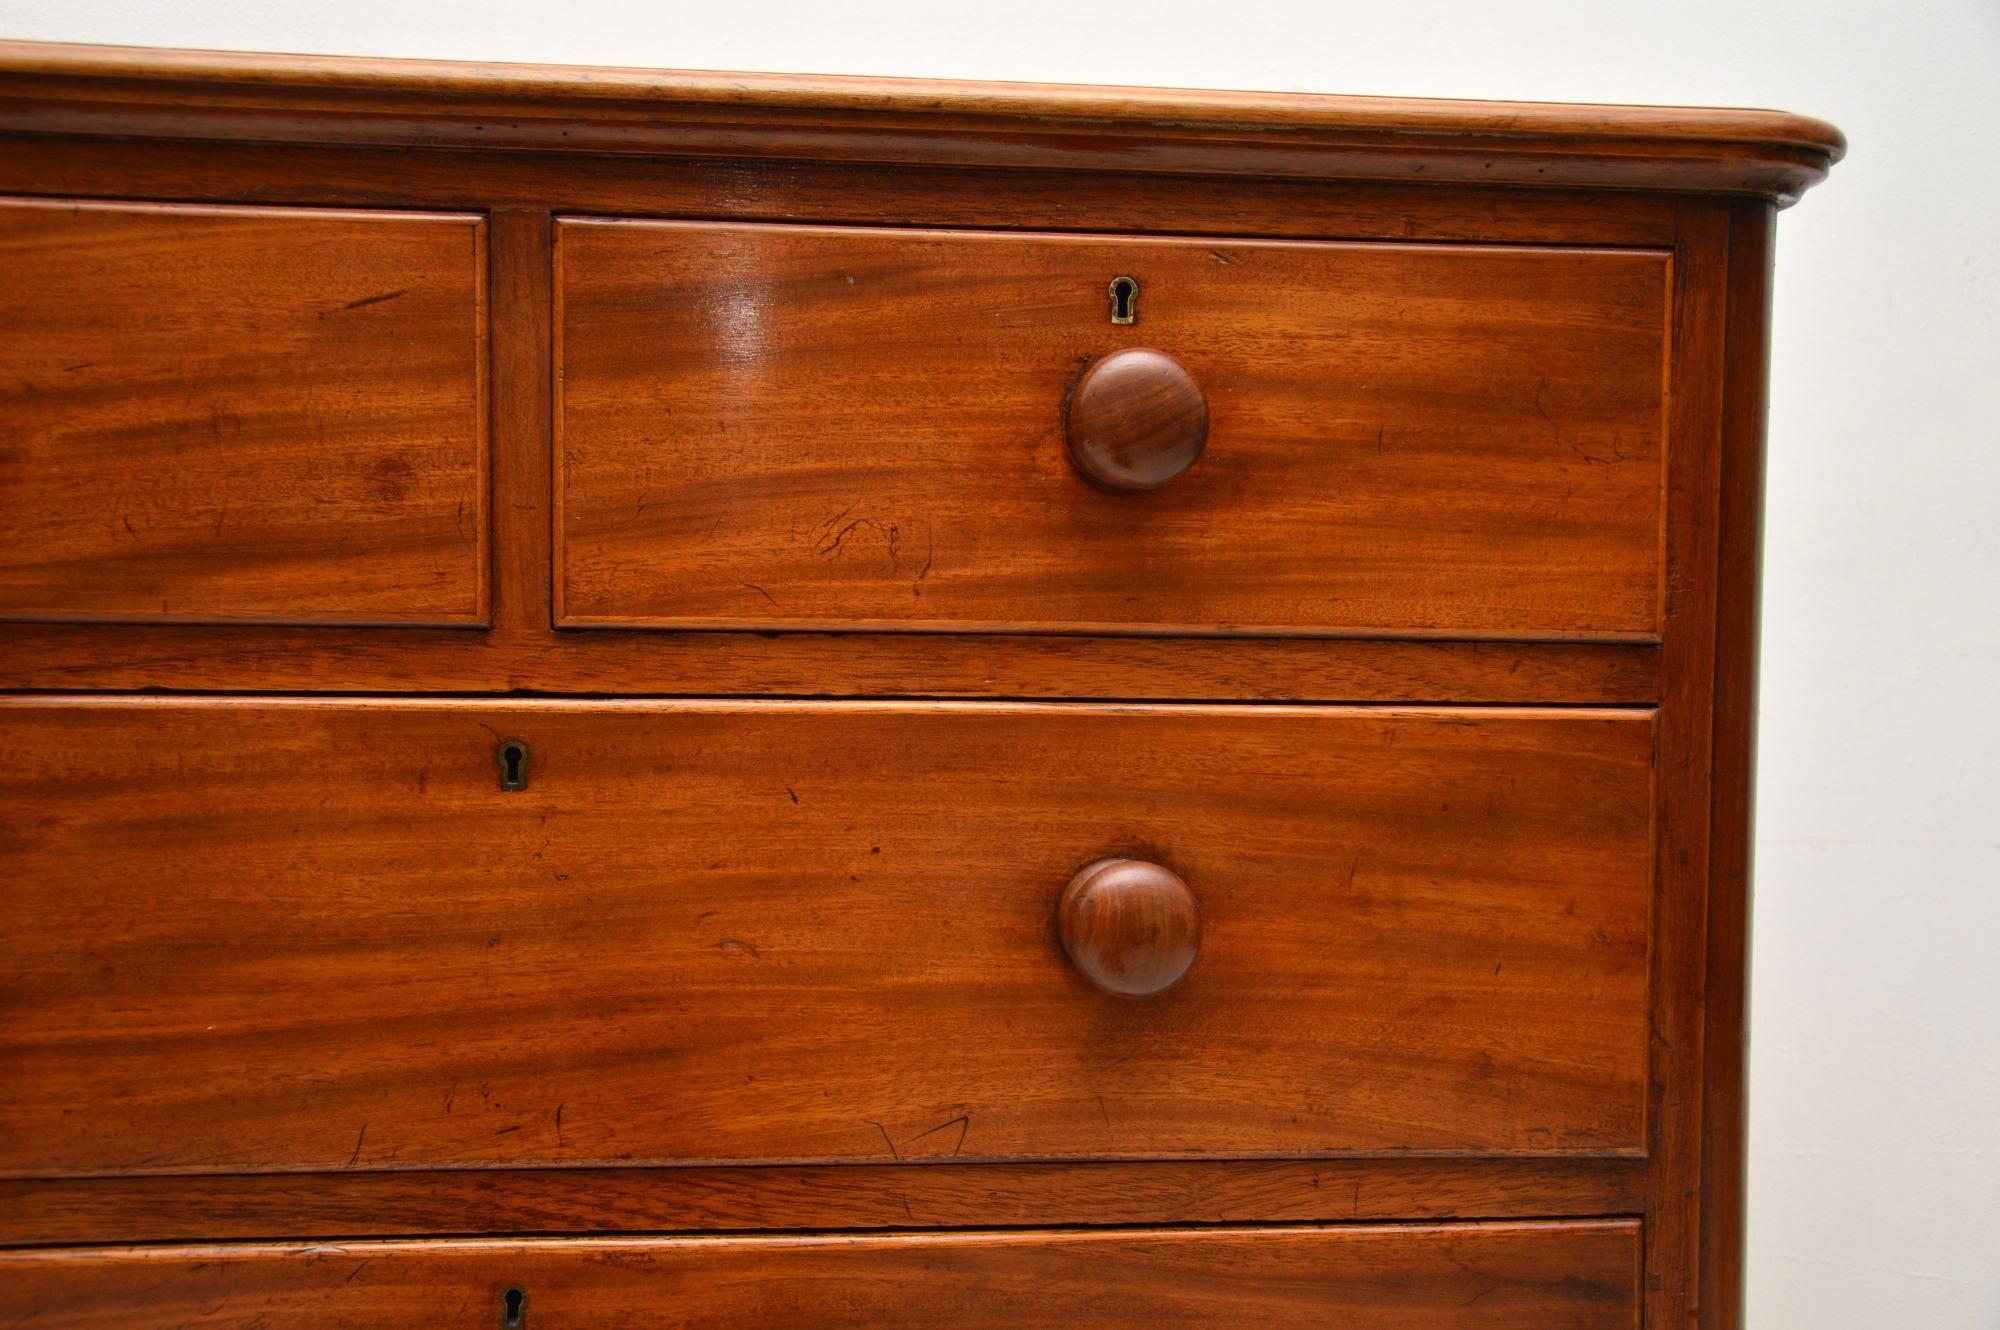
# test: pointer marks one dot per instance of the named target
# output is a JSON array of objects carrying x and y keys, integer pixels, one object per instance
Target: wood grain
[
  {"x": 513, "y": 659},
  {"x": 765, "y": 427},
  {"x": 1135, "y": 420},
  {"x": 903, "y": 194},
  {"x": 1684, "y": 771},
  {"x": 520, "y": 255},
  {"x": 180, "y": 1207},
  {"x": 497, "y": 108},
  {"x": 255, "y": 934},
  {"x": 1725, "y": 1009},
  {"x": 213, "y": 414},
  {"x": 433, "y": 1000},
  {"x": 1129, "y": 926},
  {"x": 1555, "y": 1276}
]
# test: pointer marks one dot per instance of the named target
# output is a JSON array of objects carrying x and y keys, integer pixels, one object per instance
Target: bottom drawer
[{"x": 1520, "y": 1276}]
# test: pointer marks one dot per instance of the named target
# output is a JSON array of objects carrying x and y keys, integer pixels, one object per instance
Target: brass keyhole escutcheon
[
  {"x": 513, "y": 760},
  {"x": 1124, "y": 300},
  {"x": 514, "y": 1308}
]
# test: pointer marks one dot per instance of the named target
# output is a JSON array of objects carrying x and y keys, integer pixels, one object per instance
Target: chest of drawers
[{"x": 743, "y": 701}]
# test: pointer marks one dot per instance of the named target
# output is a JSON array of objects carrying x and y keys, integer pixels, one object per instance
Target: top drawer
[
  {"x": 783, "y": 427},
  {"x": 268, "y": 415}
]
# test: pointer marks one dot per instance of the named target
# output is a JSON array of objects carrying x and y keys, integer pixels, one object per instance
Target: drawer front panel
[
  {"x": 1563, "y": 1276},
  {"x": 241, "y": 414},
  {"x": 798, "y": 427},
  {"x": 253, "y": 934}
]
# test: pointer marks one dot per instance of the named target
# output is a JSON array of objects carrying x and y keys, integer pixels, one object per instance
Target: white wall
[{"x": 1875, "y": 1196}]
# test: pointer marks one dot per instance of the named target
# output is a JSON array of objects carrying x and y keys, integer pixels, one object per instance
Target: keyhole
[
  {"x": 513, "y": 765},
  {"x": 513, "y": 1309},
  {"x": 1124, "y": 300}
]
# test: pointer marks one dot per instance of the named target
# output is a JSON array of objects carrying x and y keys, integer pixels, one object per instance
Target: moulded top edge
[{"x": 56, "y": 88}]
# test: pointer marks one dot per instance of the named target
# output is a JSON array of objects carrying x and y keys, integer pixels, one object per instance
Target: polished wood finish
[
  {"x": 1493, "y": 439},
  {"x": 498, "y": 107},
  {"x": 227, "y": 414},
  {"x": 1555, "y": 1276},
  {"x": 518, "y": 655},
  {"x": 1683, "y": 759},
  {"x": 523, "y": 659},
  {"x": 851, "y": 1196},
  {"x": 1136, "y": 420},
  {"x": 836, "y": 192},
  {"x": 1412, "y": 439},
  {"x": 1740, "y": 519},
  {"x": 769, "y": 932},
  {"x": 1131, "y": 927}
]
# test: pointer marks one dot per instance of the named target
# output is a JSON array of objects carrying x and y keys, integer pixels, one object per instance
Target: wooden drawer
[
  {"x": 1563, "y": 1276},
  {"x": 241, "y": 414},
  {"x": 815, "y": 427},
  {"x": 255, "y": 934}
]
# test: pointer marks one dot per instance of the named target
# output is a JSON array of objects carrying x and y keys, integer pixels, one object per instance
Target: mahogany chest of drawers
[{"x": 715, "y": 700}]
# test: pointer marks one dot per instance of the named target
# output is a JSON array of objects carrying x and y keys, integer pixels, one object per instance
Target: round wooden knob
[
  {"x": 1136, "y": 420},
  {"x": 1132, "y": 927}
]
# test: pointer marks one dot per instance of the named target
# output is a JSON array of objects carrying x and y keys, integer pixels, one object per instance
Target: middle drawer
[{"x": 319, "y": 934}]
